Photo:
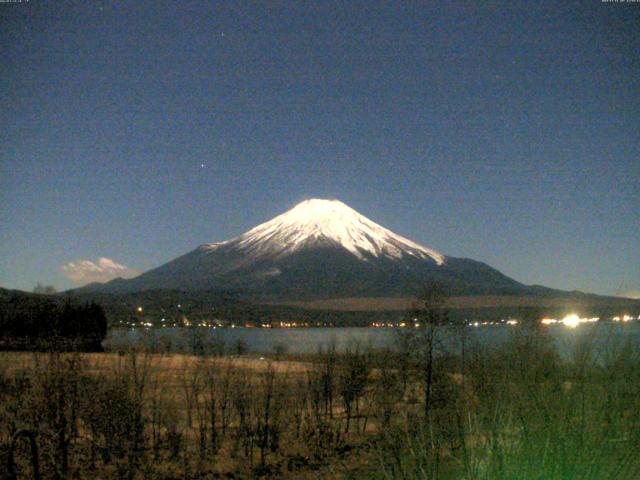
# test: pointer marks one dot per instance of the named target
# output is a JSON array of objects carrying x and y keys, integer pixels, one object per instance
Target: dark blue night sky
[{"x": 506, "y": 132}]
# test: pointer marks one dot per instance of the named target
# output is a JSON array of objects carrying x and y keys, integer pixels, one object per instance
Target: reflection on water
[{"x": 309, "y": 340}]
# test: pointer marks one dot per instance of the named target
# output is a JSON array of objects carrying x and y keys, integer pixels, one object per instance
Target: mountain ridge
[{"x": 321, "y": 249}]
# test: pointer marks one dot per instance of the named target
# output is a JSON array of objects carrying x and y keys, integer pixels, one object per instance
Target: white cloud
[{"x": 82, "y": 272}]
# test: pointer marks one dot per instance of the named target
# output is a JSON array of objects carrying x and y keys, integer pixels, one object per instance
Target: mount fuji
[{"x": 320, "y": 249}]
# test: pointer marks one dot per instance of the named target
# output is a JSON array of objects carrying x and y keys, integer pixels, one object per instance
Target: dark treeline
[
  {"x": 36, "y": 322},
  {"x": 227, "y": 307}
]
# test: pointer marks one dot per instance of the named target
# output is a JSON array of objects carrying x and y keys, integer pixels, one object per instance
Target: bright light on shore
[{"x": 571, "y": 321}]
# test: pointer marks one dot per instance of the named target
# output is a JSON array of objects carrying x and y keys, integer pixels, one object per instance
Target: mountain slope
[{"x": 319, "y": 249}]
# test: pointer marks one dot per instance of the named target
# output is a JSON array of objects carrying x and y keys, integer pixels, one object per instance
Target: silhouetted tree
[
  {"x": 44, "y": 289},
  {"x": 428, "y": 314}
]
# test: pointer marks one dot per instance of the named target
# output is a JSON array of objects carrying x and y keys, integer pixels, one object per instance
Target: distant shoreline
[{"x": 462, "y": 302}]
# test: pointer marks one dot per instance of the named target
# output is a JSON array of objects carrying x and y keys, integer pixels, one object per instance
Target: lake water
[{"x": 310, "y": 340}]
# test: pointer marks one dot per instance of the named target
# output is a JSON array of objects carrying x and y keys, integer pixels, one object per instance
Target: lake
[{"x": 309, "y": 340}]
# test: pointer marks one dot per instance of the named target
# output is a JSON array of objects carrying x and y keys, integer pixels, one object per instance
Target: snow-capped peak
[{"x": 328, "y": 221}]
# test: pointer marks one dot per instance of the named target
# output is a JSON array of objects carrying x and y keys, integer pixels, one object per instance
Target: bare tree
[
  {"x": 353, "y": 378},
  {"x": 428, "y": 314}
]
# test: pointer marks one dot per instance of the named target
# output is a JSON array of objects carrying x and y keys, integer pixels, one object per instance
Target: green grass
[{"x": 522, "y": 413}]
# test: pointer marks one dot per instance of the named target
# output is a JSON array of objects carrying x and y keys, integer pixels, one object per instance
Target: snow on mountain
[
  {"x": 319, "y": 249},
  {"x": 318, "y": 222}
]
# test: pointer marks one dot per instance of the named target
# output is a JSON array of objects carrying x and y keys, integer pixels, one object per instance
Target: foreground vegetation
[{"x": 519, "y": 412}]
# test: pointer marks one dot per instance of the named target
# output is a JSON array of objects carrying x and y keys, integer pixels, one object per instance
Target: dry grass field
[
  {"x": 520, "y": 412},
  {"x": 170, "y": 366}
]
